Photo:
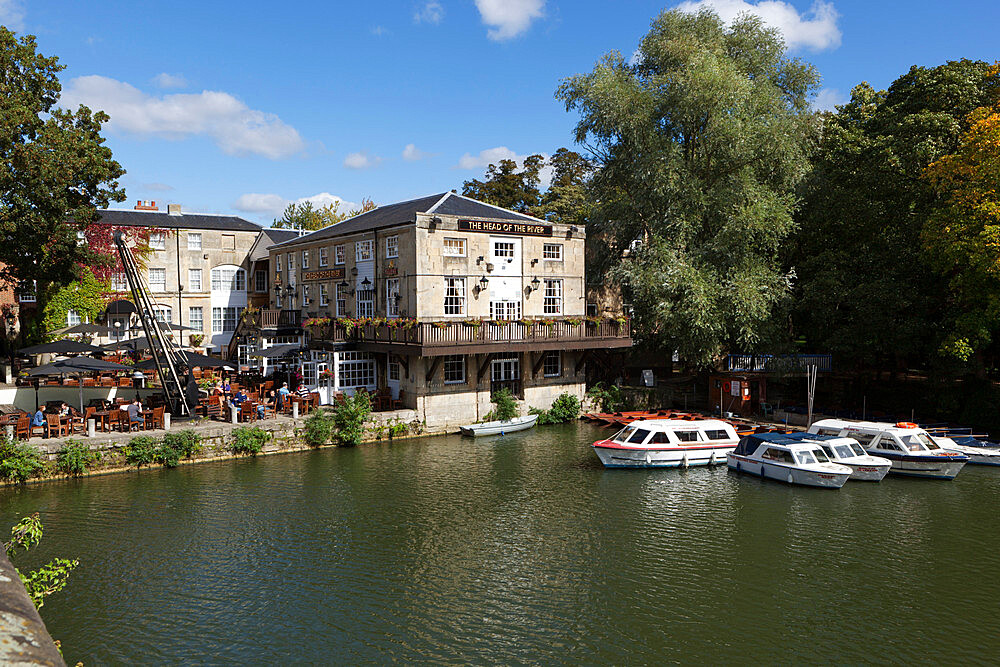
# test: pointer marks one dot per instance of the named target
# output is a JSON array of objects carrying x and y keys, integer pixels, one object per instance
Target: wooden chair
[
  {"x": 54, "y": 426},
  {"x": 89, "y": 382},
  {"x": 23, "y": 429},
  {"x": 397, "y": 403},
  {"x": 248, "y": 413},
  {"x": 268, "y": 410},
  {"x": 126, "y": 425},
  {"x": 213, "y": 409},
  {"x": 107, "y": 382},
  {"x": 124, "y": 382}
]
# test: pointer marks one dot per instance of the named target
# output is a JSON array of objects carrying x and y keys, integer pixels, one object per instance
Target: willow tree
[{"x": 700, "y": 138}]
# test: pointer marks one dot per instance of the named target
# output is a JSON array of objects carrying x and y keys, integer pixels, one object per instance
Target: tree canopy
[
  {"x": 55, "y": 171},
  {"x": 700, "y": 141},
  {"x": 307, "y": 217}
]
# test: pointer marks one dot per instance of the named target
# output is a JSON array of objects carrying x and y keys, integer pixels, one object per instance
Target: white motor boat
[
  {"x": 848, "y": 452},
  {"x": 668, "y": 443},
  {"x": 500, "y": 427},
  {"x": 979, "y": 454},
  {"x": 910, "y": 448},
  {"x": 787, "y": 458}
]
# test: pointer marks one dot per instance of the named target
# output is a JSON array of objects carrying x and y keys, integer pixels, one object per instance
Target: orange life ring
[
  {"x": 726, "y": 386},
  {"x": 905, "y": 425}
]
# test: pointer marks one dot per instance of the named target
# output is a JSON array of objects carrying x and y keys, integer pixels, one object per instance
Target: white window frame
[
  {"x": 163, "y": 314},
  {"x": 552, "y": 299},
  {"x": 260, "y": 281},
  {"x": 277, "y": 263},
  {"x": 546, "y": 367},
  {"x": 237, "y": 282},
  {"x": 73, "y": 318},
  {"x": 195, "y": 285},
  {"x": 552, "y": 252},
  {"x": 341, "y": 293},
  {"x": 291, "y": 262},
  {"x": 158, "y": 241},
  {"x": 355, "y": 370},
  {"x": 305, "y": 260},
  {"x": 454, "y": 290},
  {"x": 364, "y": 251},
  {"x": 504, "y": 249},
  {"x": 454, "y": 247},
  {"x": 365, "y": 302},
  {"x": 394, "y": 371},
  {"x": 454, "y": 366},
  {"x": 157, "y": 285},
  {"x": 391, "y": 246},
  {"x": 324, "y": 294},
  {"x": 196, "y": 323},
  {"x": 25, "y": 295},
  {"x": 119, "y": 283},
  {"x": 194, "y": 240},
  {"x": 324, "y": 256},
  {"x": 339, "y": 254},
  {"x": 226, "y": 316},
  {"x": 305, "y": 296}
]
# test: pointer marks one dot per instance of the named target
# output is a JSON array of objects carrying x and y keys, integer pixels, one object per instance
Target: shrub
[
  {"x": 398, "y": 428},
  {"x": 318, "y": 429},
  {"x": 349, "y": 419},
  {"x": 506, "y": 406},
  {"x": 167, "y": 456},
  {"x": 186, "y": 443},
  {"x": 74, "y": 458},
  {"x": 249, "y": 440},
  {"x": 609, "y": 399},
  {"x": 18, "y": 463},
  {"x": 565, "y": 408},
  {"x": 141, "y": 451}
]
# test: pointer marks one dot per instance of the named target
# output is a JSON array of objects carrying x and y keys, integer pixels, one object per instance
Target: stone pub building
[{"x": 441, "y": 301}]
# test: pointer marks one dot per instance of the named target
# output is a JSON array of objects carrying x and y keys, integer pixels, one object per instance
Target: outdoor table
[{"x": 104, "y": 417}]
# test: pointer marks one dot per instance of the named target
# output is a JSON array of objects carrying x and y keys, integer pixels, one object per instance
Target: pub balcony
[{"x": 438, "y": 338}]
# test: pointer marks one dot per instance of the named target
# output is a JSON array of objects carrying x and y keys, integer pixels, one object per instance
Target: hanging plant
[
  {"x": 327, "y": 374},
  {"x": 594, "y": 320},
  {"x": 526, "y": 322},
  {"x": 475, "y": 324},
  {"x": 408, "y": 323},
  {"x": 441, "y": 325},
  {"x": 196, "y": 339},
  {"x": 573, "y": 321},
  {"x": 348, "y": 325},
  {"x": 621, "y": 320}
]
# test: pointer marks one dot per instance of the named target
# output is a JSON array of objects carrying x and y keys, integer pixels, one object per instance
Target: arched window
[
  {"x": 229, "y": 279},
  {"x": 162, "y": 313}
]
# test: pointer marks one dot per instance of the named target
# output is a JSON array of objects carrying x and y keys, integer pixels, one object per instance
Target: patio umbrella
[
  {"x": 60, "y": 347},
  {"x": 194, "y": 360},
  {"x": 165, "y": 326},
  {"x": 133, "y": 345},
  {"x": 277, "y": 351},
  {"x": 77, "y": 366}
]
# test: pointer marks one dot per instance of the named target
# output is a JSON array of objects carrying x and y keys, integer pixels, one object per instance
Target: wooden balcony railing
[
  {"x": 429, "y": 335},
  {"x": 274, "y": 319}
]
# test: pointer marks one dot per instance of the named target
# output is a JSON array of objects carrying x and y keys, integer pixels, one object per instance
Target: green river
[{"x": 513, "y": 550}]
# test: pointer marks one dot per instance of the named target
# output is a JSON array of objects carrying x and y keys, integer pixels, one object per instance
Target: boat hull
[
  {"x": 980, "y": 456},
  {"x": 867, "y": 472},
  {"x": 499, "y": 428},
  {"x": 928, "y": 467},
  {"x": 614, "y": 456},
  {"x": 826, "y": 479}
]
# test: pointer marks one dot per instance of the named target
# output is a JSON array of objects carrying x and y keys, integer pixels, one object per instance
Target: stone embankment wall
[{"x": 23, "y": 637}]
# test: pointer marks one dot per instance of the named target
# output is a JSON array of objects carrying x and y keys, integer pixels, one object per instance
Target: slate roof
[
  {"x": 445, "y": 203},
  {"x": 268, "y": 238},
  {"x": 224, "y": 223}
]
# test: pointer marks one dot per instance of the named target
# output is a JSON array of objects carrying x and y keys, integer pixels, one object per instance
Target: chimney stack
[
  {"x": 174, "y": 209},
  {"x": 146, "y": 206}
]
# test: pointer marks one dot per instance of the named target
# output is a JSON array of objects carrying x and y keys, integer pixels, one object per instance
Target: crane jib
[{"x": 176, "y": 381}]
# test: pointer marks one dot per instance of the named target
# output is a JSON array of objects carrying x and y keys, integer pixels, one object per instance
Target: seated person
[
  {"x": 239, "y": 397},
  {"x": 134, "y": 410},
  {"x": 217, "y": 389},
  {"x": 265, "y": 402},
  {"x": 38, "y": 419},
  {"x": 63, "y": 410},
  {"x": 226, "y": 387},
  {"x": 303, "y": 391},
  {"x": 282, "y": 396}
]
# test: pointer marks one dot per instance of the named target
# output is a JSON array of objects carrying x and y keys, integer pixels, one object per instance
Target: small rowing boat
[{"x": 500, "y": 427}]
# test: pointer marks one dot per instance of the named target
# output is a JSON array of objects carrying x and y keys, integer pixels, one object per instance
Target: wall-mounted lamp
[
  {"x": 535, "y": 283},
  {"x": 366, "y": 283},
  {"x": 489, "y": 267},
  {"x": 534, "y": 261},
  {"x": 344, "y": 284},
  {"x": 484, "y": 282},
  {"x": 479, "y": 260}
]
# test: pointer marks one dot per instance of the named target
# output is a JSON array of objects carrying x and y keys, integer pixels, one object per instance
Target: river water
[{"x": 513, "y": 550}]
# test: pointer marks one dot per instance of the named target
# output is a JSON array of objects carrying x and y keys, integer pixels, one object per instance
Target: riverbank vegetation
[
  {"x": 47, "y": 579},
  {"x": 565, "y": 408}
]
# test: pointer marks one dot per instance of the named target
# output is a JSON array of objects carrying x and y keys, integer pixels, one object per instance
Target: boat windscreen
[
  {"x": 844, "y": 451},
  {"x": 918, "y": 442},
  {"x": 858, "y": 450},
  {"x": 624, "y": 434},
  {"x": 747, "y": 446},
  {"x": 806, "y": 457},
  {"x": 717, "y": 434},
  {"x": 639, "y": 436},
  {"x": 821, "y": 456}
]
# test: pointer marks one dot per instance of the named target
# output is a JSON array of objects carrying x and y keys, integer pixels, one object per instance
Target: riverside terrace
[{"x": 440, "y": 301}]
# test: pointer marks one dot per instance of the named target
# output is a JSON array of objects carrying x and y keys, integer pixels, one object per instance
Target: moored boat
[
  {"x": 500, "y": 427},
  {"x": 911, "y": 449},
  {"x": 848, "y": 452},
  {"x": 787, "y": 458},
  {"x": 668, "y": 443},
  {"x": 978, "y": 452}
]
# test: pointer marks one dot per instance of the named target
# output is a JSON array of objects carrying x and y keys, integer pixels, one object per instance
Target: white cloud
[
  {"x": 379, "y": 31},
  {"x": 828, "y": 98},
  {"x": 361, "y": 160},
  {"x": 273, "y": 205},
  {"x": 164, "y": 80},
  {"x": 412, "y": 154},
  {"x": 12, "y": 14},
  {"x": 430, "y": 12},
  {"x": 230, "y": 123},
  {"x": 494, "y": 155},
  {"x": 509, "y": 18},
  {"x": 815, "y": 29}
]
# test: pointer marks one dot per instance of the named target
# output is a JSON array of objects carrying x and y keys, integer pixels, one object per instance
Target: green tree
[
  {"x": 566, "y": 199},
  {"x": 48, "y": 579},
  {"x": 55, "y": 171},
  {"x": 700, "y": 141},
  {"x": 865, "y": 290},
  {"x": 508, "y": 186},
  {"x": 307, "y": 217},
  {"x": 87, "y": 296}
]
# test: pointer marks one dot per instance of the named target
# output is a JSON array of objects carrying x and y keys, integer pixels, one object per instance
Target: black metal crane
[{"x": 179, "y": 386}]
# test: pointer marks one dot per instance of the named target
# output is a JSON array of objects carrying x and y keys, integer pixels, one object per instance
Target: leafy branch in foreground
[{"x": 48, "y": 579}]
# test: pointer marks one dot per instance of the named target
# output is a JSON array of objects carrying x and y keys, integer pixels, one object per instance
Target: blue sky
[{"x": 243, "y": 107}]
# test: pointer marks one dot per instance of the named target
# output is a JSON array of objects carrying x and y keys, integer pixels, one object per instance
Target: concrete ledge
[{"x": 23, "y": 637}]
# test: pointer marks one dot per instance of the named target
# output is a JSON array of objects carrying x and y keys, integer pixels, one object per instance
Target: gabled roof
[
  {"x": 161, "y": 219},
  {"x": 445, "y": 203},
  {"x": 268, "y": 238}
]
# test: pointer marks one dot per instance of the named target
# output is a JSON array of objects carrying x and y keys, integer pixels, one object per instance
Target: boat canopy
[{"x": 749, "y": 444}]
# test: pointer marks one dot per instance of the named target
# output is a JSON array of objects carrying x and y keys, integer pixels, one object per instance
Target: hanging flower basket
[
  {"x": 573, "y": 321},
  {"x": 441, "y": 325}
]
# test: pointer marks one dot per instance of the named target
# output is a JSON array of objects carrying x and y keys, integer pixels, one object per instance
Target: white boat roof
[
  {"x": 864, "y": 425},
  {"x": 680, "y": 424}
]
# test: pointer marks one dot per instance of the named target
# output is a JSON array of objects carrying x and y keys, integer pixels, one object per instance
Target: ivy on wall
[{"x": 87, "y": 296}]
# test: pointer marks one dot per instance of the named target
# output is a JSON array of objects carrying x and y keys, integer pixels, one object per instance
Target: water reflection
[{"x": 520, "y": 549}]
